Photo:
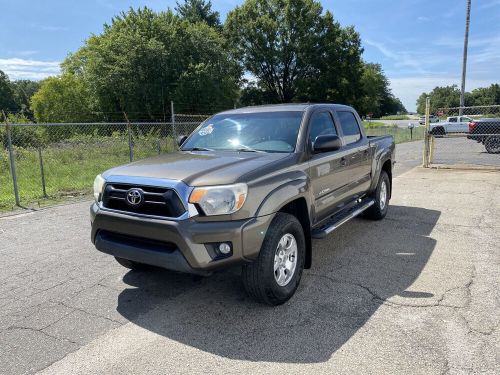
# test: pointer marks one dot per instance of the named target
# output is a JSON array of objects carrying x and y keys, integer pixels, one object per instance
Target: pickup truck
[
  {"x": 249, "y": 187},
  {"x": 487, "y": 132},
  {"x": 432, "y": 119},
  {"x": 453, "y": 124}
]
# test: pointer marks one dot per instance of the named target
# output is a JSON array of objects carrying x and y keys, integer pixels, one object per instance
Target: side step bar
[{"x": 341, "y": 218}]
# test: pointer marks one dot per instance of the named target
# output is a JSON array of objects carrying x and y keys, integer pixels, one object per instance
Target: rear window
[{"x": 350, "y": 127}]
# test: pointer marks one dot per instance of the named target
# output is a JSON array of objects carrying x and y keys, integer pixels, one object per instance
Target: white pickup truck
[{"x": 453, "y": 124}]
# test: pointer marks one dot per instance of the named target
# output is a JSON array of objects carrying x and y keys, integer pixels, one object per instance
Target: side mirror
[
  {"x": 326, "y": 143},
  {"x": 181, "y": 139}
]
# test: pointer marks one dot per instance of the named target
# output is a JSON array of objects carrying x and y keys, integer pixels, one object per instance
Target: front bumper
[{"x": 176, "y": 245}]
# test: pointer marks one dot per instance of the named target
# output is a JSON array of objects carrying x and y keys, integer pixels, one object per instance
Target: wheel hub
[
  {"x": 285, "y": 259},
  {"x": 383, "y": 195}
]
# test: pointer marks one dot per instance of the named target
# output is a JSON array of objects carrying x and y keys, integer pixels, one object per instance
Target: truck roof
[{"x": 293, "y": 107}]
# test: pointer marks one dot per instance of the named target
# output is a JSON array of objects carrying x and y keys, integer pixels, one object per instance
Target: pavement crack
[{"x": 15, "y": 327}]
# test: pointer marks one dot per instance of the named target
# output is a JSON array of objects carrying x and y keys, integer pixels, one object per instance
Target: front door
[{"x": 327, "y": 169}]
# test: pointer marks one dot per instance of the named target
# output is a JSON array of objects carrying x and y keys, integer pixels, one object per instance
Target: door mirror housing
[
  {"x": 181, "y": 139},
  {"x": 326, "y": 143}
]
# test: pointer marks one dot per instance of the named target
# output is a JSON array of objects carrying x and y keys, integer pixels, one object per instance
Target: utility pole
[{"x": 464, "y": 63}]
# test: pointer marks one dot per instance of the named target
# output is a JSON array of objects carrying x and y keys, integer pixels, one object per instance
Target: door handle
[{"x": 343, "y": 161}]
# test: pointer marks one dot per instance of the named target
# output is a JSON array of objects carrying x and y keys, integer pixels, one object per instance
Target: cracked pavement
[{"x": 416, "y": 293}]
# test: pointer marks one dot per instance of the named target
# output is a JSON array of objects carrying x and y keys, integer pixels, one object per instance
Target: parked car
[
  {"x": 432, "y": 119},
  {"x": 249, "y": 187},
  {"x": 453, "y": 124},
  {"x": 487, "y": 132}
]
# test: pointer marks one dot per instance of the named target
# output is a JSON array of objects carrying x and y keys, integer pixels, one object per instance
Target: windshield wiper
[
  {"x": 198, "y": 149},
  {"x": 248, "y": 149}
]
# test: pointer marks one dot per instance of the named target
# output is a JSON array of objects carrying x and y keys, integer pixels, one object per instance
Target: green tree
[
  {"x": 277, "y": 41},
  {"x": 22, "y": 91},
  {"x": 66, "y": 98},
  {"x": 441, "y": 97},
  {"x": 486, "y": 95},
  {"x": 7, "y": 102},
  {"x": 198, "y": 11},
  {"x": 144, "y": 59}
]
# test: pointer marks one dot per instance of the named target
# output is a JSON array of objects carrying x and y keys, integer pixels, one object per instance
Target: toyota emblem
[{"x": 134, "y": 197}]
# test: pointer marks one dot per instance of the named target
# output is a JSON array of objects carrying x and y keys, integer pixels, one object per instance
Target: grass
[
  {"x": 375, "y": 124},
  {"x": 70, "y": 166},
  {"x": 395, "y": 117}
]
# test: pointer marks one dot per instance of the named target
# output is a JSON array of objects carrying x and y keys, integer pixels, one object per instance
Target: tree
[
  {"x": 143, "y": 60},
  {"x": 277, "y": 41},
  {"x": 449, "y": 97},
  {"x": 198, "y": 11},
  {"x": 7, "y": 102},
  {"x": 338, "y": 66},
  {"x": 66, "y": 98},
  {"x": 486, "y": 95},
  {"x": 441, "y": 97},
  {"x": 22, "y": 91}
]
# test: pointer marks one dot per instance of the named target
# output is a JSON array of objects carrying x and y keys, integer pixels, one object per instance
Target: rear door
[
  {"x": 358, "y": 155},
  {"x": 327, "y": 170}
]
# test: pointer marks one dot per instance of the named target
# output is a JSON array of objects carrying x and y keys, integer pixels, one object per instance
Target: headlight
[
  {"x": 219, "y": 200},
  {"x": 98, "y": 186}
]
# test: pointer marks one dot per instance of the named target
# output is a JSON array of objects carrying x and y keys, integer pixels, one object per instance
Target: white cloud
[{"x": 17, "y": 68}]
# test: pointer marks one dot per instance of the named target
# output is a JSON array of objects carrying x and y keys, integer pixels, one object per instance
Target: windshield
[{"x": 253, "y": 132}]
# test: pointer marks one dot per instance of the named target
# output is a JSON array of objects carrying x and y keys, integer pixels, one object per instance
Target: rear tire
[
  {"x": 382, "y": 196},
  {"x": 492, "y": 145},
  {"x": 438, "y": 131},
  {"x": 130, "y": 264},
  {"x": 274, "y": 276}
]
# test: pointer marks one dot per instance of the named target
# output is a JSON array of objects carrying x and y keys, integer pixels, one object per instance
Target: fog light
[{"x": 224, "y": 248}]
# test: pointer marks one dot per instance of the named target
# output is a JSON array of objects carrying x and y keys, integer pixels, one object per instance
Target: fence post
[
  {"x": 42, "y": 171},
  {"x": 174, "y": 131},
  {"x": 427, "y": 136},
  {"x": 130, "y": 141},
  {"x": 12, "y": 161}
]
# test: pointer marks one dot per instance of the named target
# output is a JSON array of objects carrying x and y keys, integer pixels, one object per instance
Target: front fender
[{"x": 284, "y": 194}]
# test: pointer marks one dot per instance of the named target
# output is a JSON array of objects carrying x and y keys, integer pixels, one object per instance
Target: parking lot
[{"x": 414, "y": 293}]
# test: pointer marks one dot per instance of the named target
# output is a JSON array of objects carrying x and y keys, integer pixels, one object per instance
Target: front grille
[{"x": 156, "y": 201}]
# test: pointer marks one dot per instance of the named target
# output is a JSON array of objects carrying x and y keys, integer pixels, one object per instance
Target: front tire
[
  {"x": 381, "y": 195},
  {"x": 274, "y": 276}
]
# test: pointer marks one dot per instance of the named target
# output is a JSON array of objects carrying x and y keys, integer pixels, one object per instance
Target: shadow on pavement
[{"x": 354, "y": 270}]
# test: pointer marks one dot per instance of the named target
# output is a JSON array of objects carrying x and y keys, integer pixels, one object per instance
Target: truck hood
[{"x": 198, "y": 168}]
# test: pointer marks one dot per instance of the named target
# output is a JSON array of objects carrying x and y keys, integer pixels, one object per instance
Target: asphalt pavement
[{"x": 416, "y": 293}]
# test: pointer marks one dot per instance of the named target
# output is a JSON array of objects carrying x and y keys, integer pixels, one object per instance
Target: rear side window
[
  {"x": 453, "y": 119},
  {"x": 350, "y": 127},
  {"x": 321, "y": 124}
]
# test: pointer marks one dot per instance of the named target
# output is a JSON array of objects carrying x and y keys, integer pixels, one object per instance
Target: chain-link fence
[
  {"x": 42, "y": 164},
  {"x": 45, "y": 163},
  {"x": 467, "y": 136}
]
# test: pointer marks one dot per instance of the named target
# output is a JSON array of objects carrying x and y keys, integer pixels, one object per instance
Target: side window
[
  {"x": 453, "y": 119},
  {"x": 350, "y": 127},
  {"x": 321, "y": 124}
]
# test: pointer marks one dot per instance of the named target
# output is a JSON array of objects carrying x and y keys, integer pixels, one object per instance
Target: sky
[{"x": 419, "y": 43}]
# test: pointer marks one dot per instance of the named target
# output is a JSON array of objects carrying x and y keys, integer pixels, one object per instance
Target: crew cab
[
  {"x": 453, "y": 124},
  {"x": 250, "y": 187}
]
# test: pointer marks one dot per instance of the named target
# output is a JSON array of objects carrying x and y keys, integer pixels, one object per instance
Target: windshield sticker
[{"x": 206, "y": 130}]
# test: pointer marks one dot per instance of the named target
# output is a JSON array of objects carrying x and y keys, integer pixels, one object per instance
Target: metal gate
[{"x": 463, "y": 137}]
